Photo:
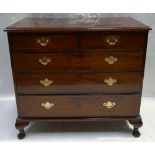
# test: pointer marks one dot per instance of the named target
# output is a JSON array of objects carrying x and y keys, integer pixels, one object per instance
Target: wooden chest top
[{"x": 78, "y": 24}]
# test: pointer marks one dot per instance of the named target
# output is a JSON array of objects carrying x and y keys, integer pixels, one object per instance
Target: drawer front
[
  {"x": 103, "y": 61},
  {"x": 78, "y": 105},
  {"x": 71, "y": 83},
  {"x": 43, "y": 41},
  {"x": 113, "y": 41}
]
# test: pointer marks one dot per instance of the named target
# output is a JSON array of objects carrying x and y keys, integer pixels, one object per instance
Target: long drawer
[
  {"x": 78, "y": 105},
  {"x": 71, "y": 83},
  {"x": 103, "y": 61}
]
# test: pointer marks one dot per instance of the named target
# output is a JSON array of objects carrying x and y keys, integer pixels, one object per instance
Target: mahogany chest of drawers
[{"x": 78, "y": 69}]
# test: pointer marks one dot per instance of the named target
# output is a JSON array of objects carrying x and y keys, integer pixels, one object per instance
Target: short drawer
[
  {"x": 112, "y": 40},
  {"x": 73, "y": 83},
  {"x": 102, "y": 61},
  {"x": 78, "y": 105},
  {"x": 43, "y": 41}
]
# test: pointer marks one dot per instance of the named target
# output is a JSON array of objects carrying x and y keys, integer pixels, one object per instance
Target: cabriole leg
[
  {"x": 137, "y": 123},
  {"x": 20, "y": 125}
]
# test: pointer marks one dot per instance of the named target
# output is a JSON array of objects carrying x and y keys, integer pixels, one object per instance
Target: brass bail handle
[
  {"x": 109, "y": 104},
  {"x": 44, "y": 60},
  {"x": 46, "y": 82},
  {"x": 112, "y": 40},
  {"x": 111, "y": 60},
  {"x": 43, "y": 41},
  {"x": 47, "y": 105},
  {"x": 110, "y": 81}
]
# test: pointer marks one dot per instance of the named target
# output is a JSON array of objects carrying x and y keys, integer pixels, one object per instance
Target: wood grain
[
  {"x": 85, "y": 61},
  {"x": 79, "y": 105},
  {"x": 77, "y": 24},
  {"x": 29, "y": 41},
  {"x": 125, "y": 40},
  {"x": 74, "y": 83}
]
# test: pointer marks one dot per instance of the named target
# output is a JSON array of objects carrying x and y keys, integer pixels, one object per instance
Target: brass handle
[
  {"x": 109, "y": 104},
  {"x": 43, "y": 41},
  {"x": 111, "y": 60},
  {"x": 46, "y": 82},
  {"x": 111, "y": 40},
  {"x": 47, "y": 105},
  {"x": 110, "y": 81},
  {"x": 44, "y": 60}
]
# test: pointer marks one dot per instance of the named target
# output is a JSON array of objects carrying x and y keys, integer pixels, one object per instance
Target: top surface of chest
[{"x": 78, "y": 24}]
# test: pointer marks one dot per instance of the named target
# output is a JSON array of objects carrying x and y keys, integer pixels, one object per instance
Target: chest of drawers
[{"x": 78, "y": 69}]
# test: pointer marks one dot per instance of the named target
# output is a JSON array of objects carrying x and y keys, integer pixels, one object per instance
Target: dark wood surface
[
  {"x": 86, "y": 40},
  {"x": 74, "y": 61},
  {"x": 29, "y": 41},
  {"x": 74, "y": 83},
  {"x": 77, "y": 49},
  {"x": 125, "y": 40},
  {"x": 79, "y": 105},
  {"x": 78, "y": 24}
]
